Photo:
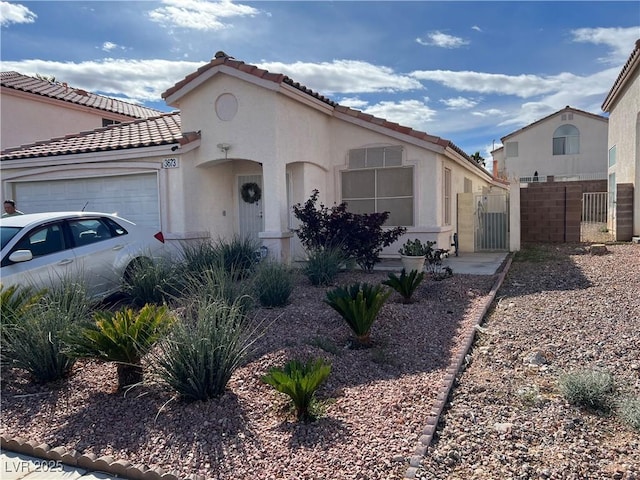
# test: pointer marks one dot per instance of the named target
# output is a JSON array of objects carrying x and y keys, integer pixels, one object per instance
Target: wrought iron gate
[
  {"x": 491, "y": 222},
  {"x": 593, "y": 221}
]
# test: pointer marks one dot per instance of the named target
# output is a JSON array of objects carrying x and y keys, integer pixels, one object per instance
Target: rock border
[{"x": 455, "y": 367}]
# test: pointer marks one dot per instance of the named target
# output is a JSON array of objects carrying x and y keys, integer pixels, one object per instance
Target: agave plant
[
  {"x": 405, "y": 284},
  {"x": 123, "y": 337},
  {"x": 359, "y": 304},
  {"x": 299, "y": 381}
]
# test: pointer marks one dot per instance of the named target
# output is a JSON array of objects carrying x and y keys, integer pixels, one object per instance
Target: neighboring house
[
  {"x": 240, "y": 125},
  {"x": 35, "y": 109},
  {"x": 568, "y": 144},
  {"x": 623, "y": 105}
]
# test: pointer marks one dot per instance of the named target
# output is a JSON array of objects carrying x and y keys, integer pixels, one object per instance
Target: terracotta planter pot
[{"x": 413, "y": 263}]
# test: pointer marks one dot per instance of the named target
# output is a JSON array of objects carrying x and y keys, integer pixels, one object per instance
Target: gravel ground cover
[
  {"x": 376, "y": 400},
  {"x": 506, "y": 419}
]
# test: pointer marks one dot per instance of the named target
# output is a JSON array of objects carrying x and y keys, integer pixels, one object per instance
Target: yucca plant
[
  {"x": 213, "y": 286},
  {"x": 299, "y": 381},
  {"x": 204, "y": 349},
  {"x": 37, "y": 341},
  {"x": 323, "y": 265},
  {"x": 273, "y": 283},
  {"x": 199, "y": 257},
  {"x": 405, "y": 284},
  {"x": 359, "y": 304},
  {"x": 124, "y": 337},
  {"x": 238, "y": 255},
  {"x": 152, "y": 282},
  {"x": 15, "y": 302}
]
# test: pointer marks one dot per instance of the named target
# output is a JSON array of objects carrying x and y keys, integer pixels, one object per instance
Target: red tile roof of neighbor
[
  {"x": 66, "y": 93},
  {"x": 222, "y": 58},
  {"x": 164, "y": 129},
  {"x": 632, "y": 64}
]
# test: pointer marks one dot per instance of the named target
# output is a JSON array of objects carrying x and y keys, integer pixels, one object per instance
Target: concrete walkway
[
  {"x": 485, "y": 263},
  {"x": 15, "y": 466}
]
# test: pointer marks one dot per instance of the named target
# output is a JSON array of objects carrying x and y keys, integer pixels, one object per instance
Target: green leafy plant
[
  {"x": 359, "y": 304},
  {"x": 629, "y": 411},
  {"x": 124, "y": 337},
  {"x": 238, "y": 256},
  {"x": 152, "y": 282},
  {"x": 299, "y": 381},
  {"x": 273, "y": 283},
  {"x": 405, "y": 284},
  {"x": 415, "y": 248},
  {"x": 204, "y": 349},
  {"x": 590, "y": 389},
  {"x": 323, "y": 264},
  {"x": 37, "y": 341},
  {"x": 15, "y": 302},
  {"x": 212, "y": 286},
  {"x": 359, "y": 236}
]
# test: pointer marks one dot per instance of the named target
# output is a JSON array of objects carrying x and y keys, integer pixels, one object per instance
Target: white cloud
[
  {"x": 353, "y": 102},
  {"x": 412, "y": 113},
  {"x": 439, "y": 39},
  {"x": 476, "y": 28},
  {"x": 344, "y": 76},
  {"x": 200, "y": 14},
  {"x": 621, "y": 40},
  {"x": 108, "y": 46},
  {"x": 459, "y": 103},
  {"x": 15, "y": 13}
]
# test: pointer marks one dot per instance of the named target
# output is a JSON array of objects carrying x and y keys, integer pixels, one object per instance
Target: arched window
[{"x": 566, "y": 140}]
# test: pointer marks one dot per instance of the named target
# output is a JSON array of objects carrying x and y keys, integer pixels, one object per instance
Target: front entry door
[{"x": 250, "y": 214}]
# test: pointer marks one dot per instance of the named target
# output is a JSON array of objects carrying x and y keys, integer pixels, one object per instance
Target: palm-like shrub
[
  {"x": 405, "y": 284},
  {"x": 323, "y": 264},
  {"x": 123, "y": 337},
  {"x": 359, "y": 304},
  {"x": 273, "y": 284},
  {"x": 204, "y": 349},
  {"x": 37, "y": 341},
  {"x": 299, "y": 381}
]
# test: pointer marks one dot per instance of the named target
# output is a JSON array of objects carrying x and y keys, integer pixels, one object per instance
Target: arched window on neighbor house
[{"x": 566, "y": 140}]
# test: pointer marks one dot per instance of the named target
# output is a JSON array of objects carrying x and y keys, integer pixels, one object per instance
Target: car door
[
  {"x": 53, "y": 258},
  {"x": 97, "y": 249}
]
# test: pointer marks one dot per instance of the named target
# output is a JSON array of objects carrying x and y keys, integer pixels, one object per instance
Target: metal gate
[
  {"x": 491, "y": 222},
  {"x": 593, "y": 221}
]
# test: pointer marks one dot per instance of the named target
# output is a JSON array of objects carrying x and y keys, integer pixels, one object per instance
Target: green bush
[
  {"x": 15, "y": 302},
  {"x": 405, "y": 284},
  {"x": 152, "y": 282},
  {"x": 37, "y": 342},
  {"x": 200, "y": 256},
  {"x": 415, "y": 248},
  {"x": 273, "y": 283},
  {"x": 238, "y": 256},
  {"x": 359, "y": 304},
  {"x": 590, "y": 389},
  {"x": 214, "y": 285},
  {"x": 123, "y": 337},
  {"x": 299, "y": 381},
  {"x": 204, "y": 349},
  {"x": 323, "y": 264},
  {"x": 629, "y": 411}
]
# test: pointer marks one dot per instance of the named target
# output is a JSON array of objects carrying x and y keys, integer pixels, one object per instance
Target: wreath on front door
[{"x": 250, "y": 192}]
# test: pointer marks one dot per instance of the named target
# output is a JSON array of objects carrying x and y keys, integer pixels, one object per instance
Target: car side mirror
[{"x": 21, "y": 256}]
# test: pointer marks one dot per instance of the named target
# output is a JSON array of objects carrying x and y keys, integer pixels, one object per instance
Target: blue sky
[{"x": 470, "y": 72}]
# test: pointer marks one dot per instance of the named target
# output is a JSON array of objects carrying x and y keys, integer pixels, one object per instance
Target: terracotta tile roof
[
  {"x": 164, "y": 129},
  {"x": 222, "y": 58},
  {"x": 564, "y": 110},
  {"x": 66, "y": 93},
  {"x": 631, "y": 66}
]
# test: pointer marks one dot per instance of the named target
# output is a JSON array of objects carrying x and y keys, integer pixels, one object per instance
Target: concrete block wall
[{"x": 624, "y": 212}]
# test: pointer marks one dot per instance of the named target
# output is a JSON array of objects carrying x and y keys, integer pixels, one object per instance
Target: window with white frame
[
  {"x": 566, "y": 140},
  {"x": 377, "y": 182},
  {"x": 446, "y": 191},
  {"x": 612, "y": 156}
]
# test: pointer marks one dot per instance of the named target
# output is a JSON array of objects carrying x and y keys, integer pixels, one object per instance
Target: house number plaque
[{"x": 170, "y": 163}]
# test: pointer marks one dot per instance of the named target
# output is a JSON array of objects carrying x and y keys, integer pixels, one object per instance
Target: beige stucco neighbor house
[
  {"x": 568, "y": 144},
  {"x": 34, "y": 109},
  {"x": 623, "y": 105},
  {"x": 240, "y": 125}
]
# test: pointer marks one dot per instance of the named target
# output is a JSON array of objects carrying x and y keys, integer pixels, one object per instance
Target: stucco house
[
  {"x": 239, "y": 125},
  {"x": 35, "y": 109},
  {"x": 568, "y": 144},
  {"x": 623, "y": 105}
]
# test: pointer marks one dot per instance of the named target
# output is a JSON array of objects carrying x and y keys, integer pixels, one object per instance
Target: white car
[{"x": 98, "y": 249}]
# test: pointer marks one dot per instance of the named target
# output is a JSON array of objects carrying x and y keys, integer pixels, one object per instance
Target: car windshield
[{"x": 8, "y": 233}]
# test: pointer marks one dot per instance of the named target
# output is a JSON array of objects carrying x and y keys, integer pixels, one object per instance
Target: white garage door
[{"x": 134, "y": 197}]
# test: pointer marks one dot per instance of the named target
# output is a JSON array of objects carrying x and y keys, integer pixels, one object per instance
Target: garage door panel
[{"x": 134, "y": 197}]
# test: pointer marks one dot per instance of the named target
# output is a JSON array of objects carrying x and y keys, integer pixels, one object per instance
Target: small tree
[{"x": 359, "y": 235}]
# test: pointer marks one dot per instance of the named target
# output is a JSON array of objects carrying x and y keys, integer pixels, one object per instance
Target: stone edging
[{"x": 454, "y": 368}]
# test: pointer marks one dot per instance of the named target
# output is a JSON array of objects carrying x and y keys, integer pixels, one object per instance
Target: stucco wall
[{"x": 535, "y": 148}]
